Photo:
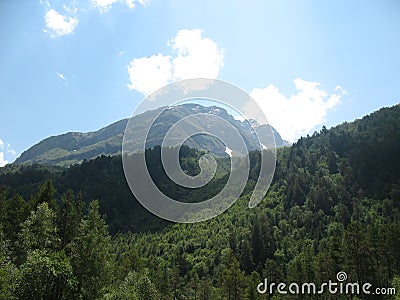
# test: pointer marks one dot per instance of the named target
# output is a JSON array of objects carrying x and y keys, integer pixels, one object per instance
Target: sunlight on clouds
[
  {"x": 300, "y": 113},
  {"x": 146, "y": 74},
  {"x": 194, "y": 56},
  {"x": 197, "y": 56},
  {"x": 58, "y": 24}
]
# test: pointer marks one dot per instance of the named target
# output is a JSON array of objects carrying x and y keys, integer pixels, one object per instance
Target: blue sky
[{"x": 80, "y": 65}]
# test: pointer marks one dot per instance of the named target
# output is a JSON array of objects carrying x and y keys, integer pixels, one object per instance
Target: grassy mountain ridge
[{"x": 74, "y": 147}]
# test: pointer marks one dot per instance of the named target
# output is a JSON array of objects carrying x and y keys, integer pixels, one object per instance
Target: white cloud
[
  {"x": 103, "y": 5},
  {"x": 340, "y": 89},
  {"x": 106, "y": 5},
  {"x": 58, "y": 24},
  {"x": 61, "y": 76},
  {"x": 130, "y": 3},
  {"x": 12, "y": 152},
  {"x": 46, "y": 4},
  {"x": 144, "y": 2},
  {"x": 300, "y": 113},
  {"x": 5, "y": 149},
  {"x": 3, "y": 162},
  {"x": 194, "y": 56},
  {"x": 72, "y": 7},
  {"x": 146, "y": 74}
]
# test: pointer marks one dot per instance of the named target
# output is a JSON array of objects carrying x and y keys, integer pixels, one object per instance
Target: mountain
[
  {"x": 334, "y": 205},
  {"x": 74, "y": 147},
  {"x": 329, "y": 168}
]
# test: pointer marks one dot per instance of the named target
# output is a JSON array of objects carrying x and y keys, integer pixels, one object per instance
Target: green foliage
[
  {"x": 13, "y": 212},
  {"x": 8, "y": 271},
  {"x": 135, "y": 286},
  {"x": 90, "y": 254},
  {"x": 396, "y": 285},
  {"x": 232, "y": 277},
  {"x": 69, "y": 216},
  {"x": 46, "y": 275},
  {"x": 39, "y": 231},
  {"x": 46, "y": 194},
  {"x": 330, "y": 208}
]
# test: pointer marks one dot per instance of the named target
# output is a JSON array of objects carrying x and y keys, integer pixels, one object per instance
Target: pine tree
[
  {"x": 233, "y": 277},
  {"x": 69, "y": 216}
]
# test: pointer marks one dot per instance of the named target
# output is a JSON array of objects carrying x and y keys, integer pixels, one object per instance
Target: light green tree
[
  {"x": 90, "y": 254},
  {"x": 137, "y": 286},
  {"x": 39, "y": 231},
  {"x": 46, "y": 275}
]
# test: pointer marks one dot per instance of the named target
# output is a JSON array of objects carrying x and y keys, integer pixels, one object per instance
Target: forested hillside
[{"x": 333, "y": 206}]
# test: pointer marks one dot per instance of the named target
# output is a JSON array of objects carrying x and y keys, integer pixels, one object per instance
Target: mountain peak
[{"x": 73, "y": 147}]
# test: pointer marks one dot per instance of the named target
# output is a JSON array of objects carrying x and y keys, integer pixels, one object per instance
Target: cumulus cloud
[
  {"x": 58, "y": 24},
  {"x": 300, "y": 113},
  {"x": 196, "y": 56},
  {"x": 192, "y": 56},
  {"x": 149, "y": 73}
]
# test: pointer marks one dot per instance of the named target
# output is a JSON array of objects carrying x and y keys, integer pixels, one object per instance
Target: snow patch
[{"x": 228, "y": 151}]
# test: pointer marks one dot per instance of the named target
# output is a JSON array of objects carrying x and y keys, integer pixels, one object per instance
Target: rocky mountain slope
[{"x": 74, "y": 147}]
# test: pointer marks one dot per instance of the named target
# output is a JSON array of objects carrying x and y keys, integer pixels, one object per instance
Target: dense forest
[{"x": 78, "y": 233}]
